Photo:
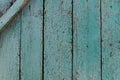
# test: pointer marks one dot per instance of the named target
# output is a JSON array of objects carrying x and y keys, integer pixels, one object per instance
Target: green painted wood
[
  {"x": 31, "y": 41},
  {"x": 57, "y": 40},
  {"x": 111, "y": 39},
  {"x": 86, "y": 59},
  {"x": 9, "y": 51},
  {"x": 22, "y": 43}
]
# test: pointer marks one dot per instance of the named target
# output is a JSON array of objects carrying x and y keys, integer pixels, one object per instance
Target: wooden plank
[
  {"x": 57, "y": 40},
  {"x": 86, "y": 60},
  {"x": 111, "y": 39},
  {"x": 9, "y": 47},
  {"x": 31, "y": 41},
  {"x": 9, "y": 51}
]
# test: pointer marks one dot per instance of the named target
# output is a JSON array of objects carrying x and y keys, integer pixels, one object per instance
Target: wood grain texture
[
  {"x": 31, "y": 41},
  {"x": 86, "y": 60},
  {"x": 72, "y": 50},
  {"x": 9, "y": 51},
  {"x": 57, "y": 40},
  {"x": 111, "y": 39}
]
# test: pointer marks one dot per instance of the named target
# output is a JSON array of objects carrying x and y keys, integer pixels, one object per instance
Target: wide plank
[
  {"x": 57, "y": 40},
  {"x": 86, "y": 27}
]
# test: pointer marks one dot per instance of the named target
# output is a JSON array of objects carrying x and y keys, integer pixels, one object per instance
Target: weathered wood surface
[
  {"x": 71, "y": 40},
  {"x": 86, "y": 59},
  {"x": 31, "y": 41},
  {"x": 57, "y": 40},
  {"x": 9, "y": 48},
  {"x": 111, "y": 39},
  {"x": 9, "y": 51}
]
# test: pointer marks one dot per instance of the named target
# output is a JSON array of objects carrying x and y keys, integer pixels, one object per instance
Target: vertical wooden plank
[
  {"x": 9, "y": 46},
  {"x": 111, "y": 39},
  {"x": 9, "y": 51},
  {"x": 86, "y": 60},
  {"x": 31, "y": 41},
  {"x": 57, "y": 40}
]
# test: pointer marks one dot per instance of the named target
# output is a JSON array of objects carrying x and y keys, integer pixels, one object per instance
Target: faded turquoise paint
[
  {"x": 31, "y": 41},
  {"x": 57, "y": 40},
  {"x": 86, "y": 40},
  {"x": 63, "y": 43},
  {"x": 111, "y": 39},
  {"x": 9, "y": 49}
]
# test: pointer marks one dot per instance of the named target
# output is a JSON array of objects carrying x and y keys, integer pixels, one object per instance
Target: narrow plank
[
  {"x": 31, "y": 41},
  {"x": 86, "y": 60},
  {"x": 111, "y": 39},
  {"x": 9, "y": 51},
  {"x": 57, "y": 40}
]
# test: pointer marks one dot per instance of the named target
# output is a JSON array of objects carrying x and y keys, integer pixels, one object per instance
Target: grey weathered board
[{"x": 61, "y": 40}]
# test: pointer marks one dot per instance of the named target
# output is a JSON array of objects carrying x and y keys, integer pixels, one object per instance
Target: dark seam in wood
[
  {"x": 20, "y": 70},
  {"x": 43, "y": 40},
  {"x": 101, "y": 39},
  {"x": 72, "y": 51}
]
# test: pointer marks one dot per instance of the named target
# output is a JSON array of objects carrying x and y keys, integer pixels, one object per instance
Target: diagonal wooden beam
[{"x": 11, "y": 13}]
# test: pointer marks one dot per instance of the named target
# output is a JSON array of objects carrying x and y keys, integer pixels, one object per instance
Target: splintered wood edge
[{"x": 11, "y": 13}]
